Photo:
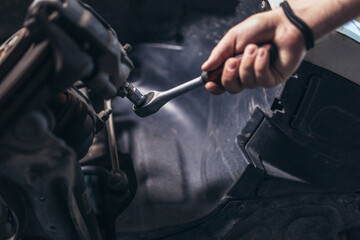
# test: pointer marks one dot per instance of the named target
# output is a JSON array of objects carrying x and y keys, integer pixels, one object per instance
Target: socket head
[{"x": 152, "y": 104}]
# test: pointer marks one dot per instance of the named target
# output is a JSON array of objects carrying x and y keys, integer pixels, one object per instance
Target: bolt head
[{"x": 127, "y": 48}]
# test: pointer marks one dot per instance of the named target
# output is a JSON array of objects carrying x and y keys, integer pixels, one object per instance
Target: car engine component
[{"x": 277, "y": 163}]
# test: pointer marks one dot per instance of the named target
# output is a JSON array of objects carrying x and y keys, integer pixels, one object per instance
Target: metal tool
[
  {"x": 117, "y": 179},
  {"x": 115, "y": 167},
  {"x": 155, "y": 100},
  {"x": 152, "y": 101}
]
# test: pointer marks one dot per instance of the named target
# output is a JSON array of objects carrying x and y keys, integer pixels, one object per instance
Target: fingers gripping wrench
[{"x": 154, "y": 100}]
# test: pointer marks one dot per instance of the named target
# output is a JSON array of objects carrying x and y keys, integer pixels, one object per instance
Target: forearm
[
  {"x": 323, "y": 16},
  {"x": 254, "y": 69}
]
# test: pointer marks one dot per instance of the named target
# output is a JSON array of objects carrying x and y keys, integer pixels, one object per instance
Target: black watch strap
[{"x": 300, "y": 24}]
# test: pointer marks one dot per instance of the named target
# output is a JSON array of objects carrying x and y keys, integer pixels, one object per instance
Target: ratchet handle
[{"x": 215, "y": 75}]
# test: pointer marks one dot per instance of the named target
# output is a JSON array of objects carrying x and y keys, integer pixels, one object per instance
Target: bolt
[
  {"x": 127, "y": 48},
  {"x": 134, "y": 95}
]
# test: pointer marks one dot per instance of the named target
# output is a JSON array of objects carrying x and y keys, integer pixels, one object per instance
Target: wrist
[
  {"x": 300, "y": 24},
  {"x": 310, "y": 14},
  {"x": 323, "y": 16},
  {"x": 288, "y": 32}
]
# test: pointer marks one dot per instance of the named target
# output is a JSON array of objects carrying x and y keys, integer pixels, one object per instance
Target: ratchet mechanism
[{"x": 151, "y": 102}]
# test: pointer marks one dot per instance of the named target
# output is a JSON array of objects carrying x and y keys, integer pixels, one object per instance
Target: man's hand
[{"x": 254, "y": 70}]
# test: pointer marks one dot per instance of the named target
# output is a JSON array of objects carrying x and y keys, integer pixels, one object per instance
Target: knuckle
[
  {"x": 233, "y": 88},
  {"x": 245, "y": 64},
  {"x": 229, "y": 84},
  {"x": 246, "y": 81},
  {"x": 264, "y": 79},
  {"x": 265, "y": 82},
  {"x": 246, "y": 69},
  {"x": 232, "y": 32},
  {"x": 260, "y": 71},
  {"x": 226, "y": 81}
]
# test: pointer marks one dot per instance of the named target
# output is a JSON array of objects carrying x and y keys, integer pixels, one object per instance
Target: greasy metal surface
[
  {"x": 42, "y": 183},
  {"x": 185, "y": 156}
]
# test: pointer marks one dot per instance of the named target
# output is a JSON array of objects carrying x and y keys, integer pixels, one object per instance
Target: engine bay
[{"x": 76, "y": 162}]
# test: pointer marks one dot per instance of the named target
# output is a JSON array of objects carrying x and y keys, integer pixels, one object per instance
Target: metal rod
[
  {"x": 181, "y": 89},
  {"x": 112, "y": 139}
]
